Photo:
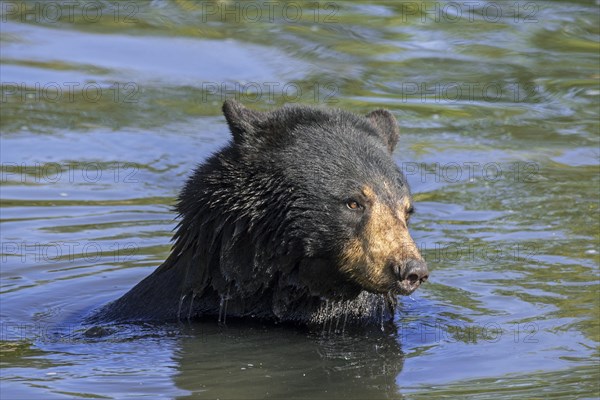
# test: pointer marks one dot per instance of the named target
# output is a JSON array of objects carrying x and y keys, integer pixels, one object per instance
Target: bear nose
[{"x": 415, "y": 272}]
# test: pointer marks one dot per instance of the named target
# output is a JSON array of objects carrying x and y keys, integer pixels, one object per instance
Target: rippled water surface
[{"x": 106, "y": 107}]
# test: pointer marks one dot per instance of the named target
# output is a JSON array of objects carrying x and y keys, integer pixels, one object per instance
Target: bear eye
[
  {"x": 353, "y": 205},
  {"x": 410, "y": 211}
]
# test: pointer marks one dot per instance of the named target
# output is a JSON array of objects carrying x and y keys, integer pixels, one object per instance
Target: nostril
[
  {"x": 413, "y": 278},
  {"x": 416, "y": 272}
]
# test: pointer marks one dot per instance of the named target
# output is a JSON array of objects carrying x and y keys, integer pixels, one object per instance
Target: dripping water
[
  {"x": 226, "y": 302},
  {"x": 222, "y": 302},
  {"x": 339, "y": 315},
  {"x": 179, "y": 309},
  {"x": 331, "y": 316},
  {"x": 382, "y": 311},
  {"x": 324, "y": 316},
  {"x": 189, "y": 316},
  {"x": 346, "y": 310}
]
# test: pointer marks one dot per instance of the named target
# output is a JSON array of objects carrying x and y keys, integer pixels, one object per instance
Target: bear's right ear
[
  {"x": 386, "y": 126},
  {"x": 243, "y": 122}
]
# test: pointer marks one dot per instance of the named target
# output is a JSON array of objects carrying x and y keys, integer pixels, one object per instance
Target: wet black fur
[{"x": 263, "y": 221}]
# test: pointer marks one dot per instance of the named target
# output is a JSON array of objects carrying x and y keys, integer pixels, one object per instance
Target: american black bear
[{"x": 302, "y": 217}]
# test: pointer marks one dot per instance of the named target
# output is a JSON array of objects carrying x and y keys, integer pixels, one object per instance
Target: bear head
[{"x": 321, "y": 188}]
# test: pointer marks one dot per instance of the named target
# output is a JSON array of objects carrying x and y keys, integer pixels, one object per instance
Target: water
[{"x": 107, "y": 107}]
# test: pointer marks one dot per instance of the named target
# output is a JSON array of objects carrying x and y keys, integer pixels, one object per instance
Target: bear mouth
[
  {"x": 402, "y": 287},
  {"x": 405, "y": 287}
]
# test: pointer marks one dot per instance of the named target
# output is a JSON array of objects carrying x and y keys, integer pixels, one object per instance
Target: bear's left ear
[
  {"x": 386, "y": 126},
  {"x": 243, "y": 122}
]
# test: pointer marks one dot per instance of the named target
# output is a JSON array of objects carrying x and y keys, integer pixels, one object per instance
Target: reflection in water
[{"x": 251, "y": 361}]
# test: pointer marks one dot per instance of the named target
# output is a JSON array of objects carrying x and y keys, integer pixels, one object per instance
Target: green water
[{"x": 106, "y": 106}]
